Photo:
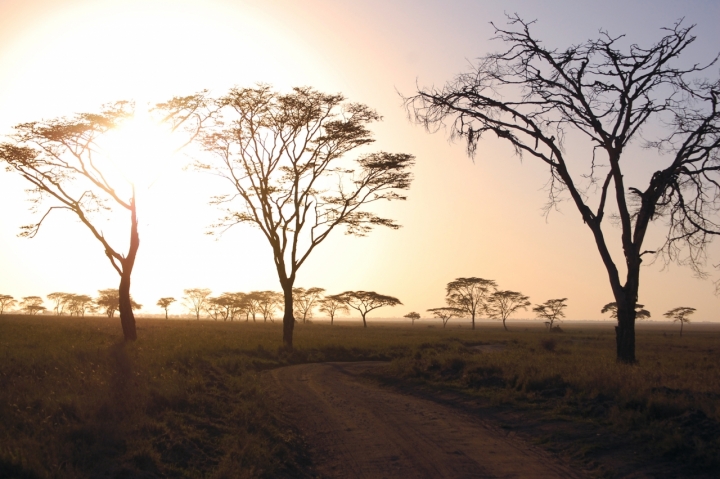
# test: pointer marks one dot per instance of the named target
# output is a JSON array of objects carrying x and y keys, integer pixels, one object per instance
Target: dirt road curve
[{"x": 356, "y": 429}]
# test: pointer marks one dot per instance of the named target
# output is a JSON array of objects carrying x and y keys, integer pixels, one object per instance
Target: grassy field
[{"x": 185, "y": 400}]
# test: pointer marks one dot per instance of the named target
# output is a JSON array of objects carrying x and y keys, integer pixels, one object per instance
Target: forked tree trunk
[
  {"x": 364, "y": 322},
  {"x": 288, "y": 318},
  {"x": 127, "y": 318}
]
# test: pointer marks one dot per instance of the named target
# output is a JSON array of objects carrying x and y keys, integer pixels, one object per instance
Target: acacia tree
[
  {"x": 469, "y": 295},
  {"x": 60, "y": 160},
  {"x": 6, "y": 301},
  {"x": 640, "y": 312},
  {"x": 304, "y": 301},
  {"x": 366, "y": 301},
  {"x": 533, "y": 97},
  {"x": 680, "y": 314},
  {"x": 412, "y": 316},
  {"x": 78, "y": 304},
  {"x": 446, "y": 313},
  {"x": 268, "y": 302},
  {"x": 332, "y": 305},
  {"x": 32, "y": 304},
  {"x": 60, "y": 300},
  {"x": 551, "y": 310},
  {"x": 194, "y": 300},
  {"x": 109, "y": 300},
  {"x": 284, "y": 159},
  {"x": 501, "y": 304},
  {"x": 165, "y": 303}
]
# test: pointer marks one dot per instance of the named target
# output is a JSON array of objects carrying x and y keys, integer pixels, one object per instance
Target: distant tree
[
  {"x": 284, "y": 158},
  {"x": 501, "y": 304},
  {"x": 226, "y": 306},
  {"x": 551, "y": 310},
  {"x": 194, "y": 300},
  {"x": 32, "y": 304},
  {"x": 469, "y": 295},
  {"x": 366, "y": 301},
  {"x": 446, "y": 313},
  {"x": 79, "y": 304},
  {"x": 680, "y": 314},
  {"x": 6, "y": 302},
  {"x": 304, "y": 300},
  {"x": 640, "y": 313},
  {"x": 253, "y": 300},
  {"x": 269, "y": 302},
  {"x": 60, "y": 300},
  {"x": 412, "y": 316},
  {"x": 533, "y": 97},
  {"x": 165, "y": 303},
  {"x": 332, "y": 305},
  {"x": 109, "y": 301}
]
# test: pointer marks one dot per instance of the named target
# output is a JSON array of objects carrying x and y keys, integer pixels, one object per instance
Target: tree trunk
[
  {"x": 127, "y": 318},
  {"x": 288, "y": 318},
  {"x": 504, "y": 326},
  {"x": 681, "y": 326},
  {"x": 364, "y": 322},
  {"x": 625, "y": 332},
  {"x": 473, "y": 321}
]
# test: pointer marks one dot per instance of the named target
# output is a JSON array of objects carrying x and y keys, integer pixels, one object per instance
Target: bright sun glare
[{"x": 140, "y": 149}]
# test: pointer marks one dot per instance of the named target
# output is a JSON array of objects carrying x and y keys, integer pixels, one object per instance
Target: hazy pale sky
[{"x": 462, "y": 218}]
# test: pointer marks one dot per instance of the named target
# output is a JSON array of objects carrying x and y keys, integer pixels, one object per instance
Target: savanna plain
[{"x": 193, "y": 398}]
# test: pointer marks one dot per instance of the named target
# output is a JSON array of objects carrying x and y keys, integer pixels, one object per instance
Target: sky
[{"x": 462, "y": 218}]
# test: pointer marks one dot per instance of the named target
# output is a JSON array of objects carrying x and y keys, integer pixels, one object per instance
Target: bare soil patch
[{"x": 357, "y": 429}]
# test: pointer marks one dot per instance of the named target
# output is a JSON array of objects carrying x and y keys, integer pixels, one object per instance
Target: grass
[{"x": 185, "y": 400}]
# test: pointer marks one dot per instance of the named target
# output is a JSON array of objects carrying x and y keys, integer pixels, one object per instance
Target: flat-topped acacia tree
[
  {"x": 366, "y": 301},
  {"x": 284, "y": 157},
  {"x": 59, "y": 158},
  {"x": 533, "y": 97}
]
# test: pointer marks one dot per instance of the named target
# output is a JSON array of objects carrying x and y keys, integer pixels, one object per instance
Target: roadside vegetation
[{"x": 187, "y": 400}]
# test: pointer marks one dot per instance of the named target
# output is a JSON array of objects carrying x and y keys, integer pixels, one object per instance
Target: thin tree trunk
[
  {"x": 681, "y": 326},
  {"x": 473, "y": 321},
  {"x": 127, "y": 317},
  {"x": 364, "y": 322},
  {"x": 504, "y": 326},
  {"x": 288, "y": 318}
]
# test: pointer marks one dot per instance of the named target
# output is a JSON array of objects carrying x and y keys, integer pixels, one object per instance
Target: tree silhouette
[
  {"x": 640, "y": 313},
  {"x": 60, "y": 300},
  {"x": 534, "y": 97},
  {"x": 446, "y": 313},
  {"x": 6, "y": 301},
  {"x": 32, "y": 304},
  {"x": 501, "y": 304},
  {"x": 284, "y": 159},
  {"x": 332, "y": 305},
  {"x": 551, "y": 310},
  {"x": 366, "y": 301},
  {"x": 269, "y": 302},
  {"x": 412, "y": 316},
  {"x": 469, "y": 295},
  {"x": 109, "y": 300},
  {"x": 194, "y": 300},
  {"x": 78, "y": 304},
  {"x": 304, "y": 300},
  {"x": 165, "y": 303},
  {"x": 680, "y": 314}
]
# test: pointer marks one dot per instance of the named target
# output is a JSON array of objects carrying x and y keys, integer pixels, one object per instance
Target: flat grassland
[{"x": 187, "y": 399}]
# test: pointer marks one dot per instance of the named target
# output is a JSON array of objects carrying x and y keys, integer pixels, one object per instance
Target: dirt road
[{"x": 357, "y": 429}]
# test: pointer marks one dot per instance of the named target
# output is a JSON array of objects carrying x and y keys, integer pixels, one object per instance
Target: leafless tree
[
  {"x": 284, "y": 157},
  {"x": 165, "y": 303},
  {"x": 470, "y": 295},
  {"x": 446, "y": 313},
  {"x": 412, "y": 316},
  {"x": 32, "y": 305},
  {"x": 534, "y": 97},
  {"x": 502, "y": 304},
  {"x": 366, "y": 301},
  {"x": 6, "y": 302},
  {"x": 551, "y": 310},
  {"x": 304, "y": 300},
  {"x": 194, "y": 300},
  {"x": 332, "y": 305},
  {"x": 640, "y": 312},
  {"x": 680, "y": 314}
]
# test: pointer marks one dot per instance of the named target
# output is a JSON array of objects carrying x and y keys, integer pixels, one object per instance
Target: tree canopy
[{"x": 366, "y": 301}]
